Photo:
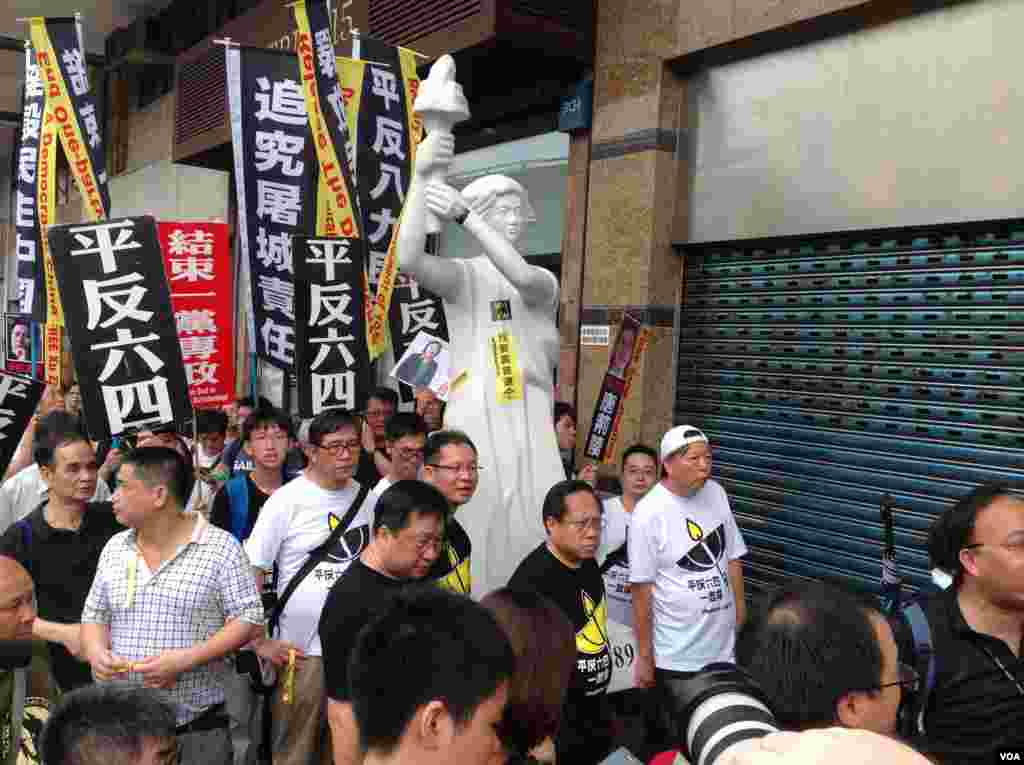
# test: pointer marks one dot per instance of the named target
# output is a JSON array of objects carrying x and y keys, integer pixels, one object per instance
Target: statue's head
[{"x": 502, "y": 202}]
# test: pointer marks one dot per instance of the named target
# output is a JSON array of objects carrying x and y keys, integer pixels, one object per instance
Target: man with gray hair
[{"x": 685, "y": 573}]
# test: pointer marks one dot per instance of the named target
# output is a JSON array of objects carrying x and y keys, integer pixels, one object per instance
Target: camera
[{"x": 716, "y": 709}]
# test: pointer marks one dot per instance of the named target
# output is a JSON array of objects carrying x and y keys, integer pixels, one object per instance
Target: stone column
[
  {"x": 573, "y": 242},
  {"x": 637, "y": 195}
]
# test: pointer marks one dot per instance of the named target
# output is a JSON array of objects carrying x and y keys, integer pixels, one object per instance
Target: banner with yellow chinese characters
[
  {"x": 62, "y": 67},
  {"x": 326, "y": 112},
  {"x": 70, "y": 115},
  {"x": 46, "y": 192}
]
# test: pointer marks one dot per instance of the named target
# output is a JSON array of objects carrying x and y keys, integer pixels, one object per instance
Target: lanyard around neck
[{"x": 1002, "y": 668}]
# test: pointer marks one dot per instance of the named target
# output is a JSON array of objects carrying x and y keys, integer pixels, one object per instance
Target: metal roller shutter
[{"x": 830, "y": 371}]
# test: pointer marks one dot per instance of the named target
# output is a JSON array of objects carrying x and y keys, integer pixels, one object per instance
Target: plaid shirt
[{"x": 207, "y": 583}]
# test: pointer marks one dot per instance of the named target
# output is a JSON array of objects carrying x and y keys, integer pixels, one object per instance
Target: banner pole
[
  {"x": 32, "y": 345},
  {"x": 252, "y": 376}
]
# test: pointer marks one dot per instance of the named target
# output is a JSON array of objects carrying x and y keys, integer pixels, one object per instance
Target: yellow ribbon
[{"x": 288, "y": 696}]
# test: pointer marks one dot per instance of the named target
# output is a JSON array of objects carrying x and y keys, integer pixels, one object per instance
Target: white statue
[{"x": 495, "y": 292}]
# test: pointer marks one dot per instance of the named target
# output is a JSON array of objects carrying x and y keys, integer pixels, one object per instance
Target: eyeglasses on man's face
[
  {"x": 337, "y": 447},
  {"x": 1015, "y": 547},
  {"x": 909, "y": 680},
  {"x": 596, "y": 523},
  {"x": 409, "y": 454},
  {"x": 470, "y": 470}
]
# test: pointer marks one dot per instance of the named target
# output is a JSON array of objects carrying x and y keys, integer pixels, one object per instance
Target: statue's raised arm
[
  {"x": 436, "y": 274},
  {"x": 494, "y": 209}
]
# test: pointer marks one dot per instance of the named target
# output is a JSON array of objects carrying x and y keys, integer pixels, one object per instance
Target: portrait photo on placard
[
  {"x": 425, "y": 364},
  {"x": 623, "y": 352},
  {"x": 18, "y": 345}
]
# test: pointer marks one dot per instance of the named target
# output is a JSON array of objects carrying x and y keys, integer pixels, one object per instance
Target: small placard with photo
[
  {"x": 425, "y": 364},
  {"x": 21, "y": 333}
]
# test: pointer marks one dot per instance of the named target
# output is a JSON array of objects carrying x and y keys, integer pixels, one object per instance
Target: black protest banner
[
  {"x": 330, "y": 323},
  {"x": 124, "y": 341},
  {"x": 384, "y": 155},
  {"x": 18, "y": 400},
  {"x": 604, "y": 426},
  {"x": 65, "y": 75},
  {"x": 274, "y": 174},
  {"x": 27, "y": 246}
]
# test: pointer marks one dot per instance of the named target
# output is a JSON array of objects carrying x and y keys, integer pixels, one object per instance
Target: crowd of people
[{"x": 253, "y": 592}]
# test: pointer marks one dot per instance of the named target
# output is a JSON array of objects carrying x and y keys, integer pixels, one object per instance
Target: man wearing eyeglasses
[
  {"x": 450, "y": 465},
  {"x": 563, "y": 569},
  {"x": 380, "y": 408},
  {"x": 408, "y": 532},
  {"x": 824, "y": 657},
  {"x": 406, "y": 437},
  {"x": 294, "y": 524},
  {"x": 973, "y": 708}
]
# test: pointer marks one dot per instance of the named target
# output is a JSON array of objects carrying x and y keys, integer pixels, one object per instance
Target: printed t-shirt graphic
[
  {"x": 350, "y": 544},
  {"x": 683, "y": 547},
  {"x": 593, "y": 663},
  {"x": 451, "y": 569},
  {"x": 613, "y": 557},
  {"x": 579, "y": 593},
  {"x": 296, "y": 520},
  {"x": 706, "y": 553}
]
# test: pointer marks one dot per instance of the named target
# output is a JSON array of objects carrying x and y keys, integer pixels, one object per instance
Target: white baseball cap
[{"x": 678, "y": 437}]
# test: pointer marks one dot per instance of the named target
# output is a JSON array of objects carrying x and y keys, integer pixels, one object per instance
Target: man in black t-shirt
[
  {"x": 975, "y": 706},
  {"x": 430, "y": 682},
  {"x": 563, "y": 569},
  {"x": 59, "y": 543},
  {"x": 450, "y": 465},
  {"x": 407, "y": 538}
]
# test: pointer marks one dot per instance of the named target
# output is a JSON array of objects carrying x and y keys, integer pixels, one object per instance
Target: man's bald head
[
  {"x": 823, "y": 746},
  {"x": 17, "y": 609}
]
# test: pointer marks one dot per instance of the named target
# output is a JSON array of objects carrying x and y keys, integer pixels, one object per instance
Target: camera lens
[{"x": 716, "y": 709}]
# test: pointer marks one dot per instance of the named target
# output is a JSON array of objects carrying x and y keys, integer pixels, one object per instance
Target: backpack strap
[
  {"x": 26, "y": 532},
  {"x": 238, "y": 499},
  {"x": 924, "y": 656}
]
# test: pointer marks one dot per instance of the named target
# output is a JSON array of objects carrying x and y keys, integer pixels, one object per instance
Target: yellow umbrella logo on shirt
[
  {"x": 458, "y": 579},
  {"x": 593, "y": 638},
  {"x": 350, "y": 543}
]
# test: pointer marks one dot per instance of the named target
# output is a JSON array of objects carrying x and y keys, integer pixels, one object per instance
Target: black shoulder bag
[{"x": 316, "y": 557}]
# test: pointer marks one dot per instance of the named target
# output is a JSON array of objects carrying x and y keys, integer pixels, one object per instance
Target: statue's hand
[
  {"x": 445, "y": 202},
  {"x": 435, "y": 152}
]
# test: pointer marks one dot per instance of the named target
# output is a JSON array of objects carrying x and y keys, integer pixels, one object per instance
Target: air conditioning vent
[
  {"x": 201, "y": 103},
  {"x": 399, "y": 22}
]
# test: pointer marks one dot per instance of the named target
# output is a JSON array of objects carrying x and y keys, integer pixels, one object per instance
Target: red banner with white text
[{"x": 197, "y": 261}]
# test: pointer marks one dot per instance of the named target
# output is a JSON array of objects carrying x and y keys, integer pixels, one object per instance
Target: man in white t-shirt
[
  {"x": 633, "y": 706},
  {"x": 639, "y": 474},
  {"x": 296, "y": 520},
  {"x": 685, "y": 569},
  {"x": 405, "y": 436}
]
